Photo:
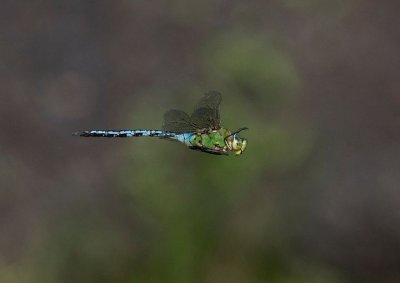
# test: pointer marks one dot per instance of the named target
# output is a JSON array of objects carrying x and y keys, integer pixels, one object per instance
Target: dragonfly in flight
[{"x": 200, "y": 131}]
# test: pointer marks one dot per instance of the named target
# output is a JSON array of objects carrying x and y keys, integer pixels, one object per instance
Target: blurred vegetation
[
  {"x": 191, "y": 197},
  {"x": 313, "y": 198}
]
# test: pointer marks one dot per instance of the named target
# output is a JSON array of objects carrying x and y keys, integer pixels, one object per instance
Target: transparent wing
[
  {"x": 206, "y": 113},
  {"x": 178, "y": 121}
]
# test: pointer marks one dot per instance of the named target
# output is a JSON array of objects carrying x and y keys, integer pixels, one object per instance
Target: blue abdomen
[
  {"x": 186, "y": 138},
  {"x": 125, "y": 133}
]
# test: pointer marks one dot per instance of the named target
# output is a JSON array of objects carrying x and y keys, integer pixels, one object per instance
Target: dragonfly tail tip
[{"x": 81, "y": 134}]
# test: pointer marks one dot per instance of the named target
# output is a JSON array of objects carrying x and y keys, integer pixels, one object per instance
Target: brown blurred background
[{"x": 315, "y": 198}]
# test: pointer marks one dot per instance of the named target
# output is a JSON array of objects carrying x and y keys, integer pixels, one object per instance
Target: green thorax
[{"x": 211, "y": 139}]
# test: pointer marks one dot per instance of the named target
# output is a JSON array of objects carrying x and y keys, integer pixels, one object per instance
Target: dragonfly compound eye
[{"x": 236, "y": 143}]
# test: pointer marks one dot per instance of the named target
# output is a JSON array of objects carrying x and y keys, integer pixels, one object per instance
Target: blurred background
[{"x": 315, "y": 197}]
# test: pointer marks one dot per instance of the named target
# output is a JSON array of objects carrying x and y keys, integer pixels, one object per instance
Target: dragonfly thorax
[{"x": 213, "y": 139}]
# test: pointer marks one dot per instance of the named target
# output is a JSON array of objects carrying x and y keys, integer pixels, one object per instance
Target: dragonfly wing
[
  {"x": 206, "y": 113},
  {"x": 178, "y": 121}
]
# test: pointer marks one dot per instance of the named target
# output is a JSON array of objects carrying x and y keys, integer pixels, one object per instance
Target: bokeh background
[{"x": 315, "y": 198}]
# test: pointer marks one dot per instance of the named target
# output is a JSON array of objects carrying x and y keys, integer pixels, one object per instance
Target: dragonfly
[{"x": 199, "y": 131}]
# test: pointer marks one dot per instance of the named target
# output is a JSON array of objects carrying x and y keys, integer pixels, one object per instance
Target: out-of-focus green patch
[
  {"x": 186, "y": 196},
  {"x": 16, "y": 273},
  {"x": 188, "y": 12},
  {"x": 87, "y": 246},
  {"x": 252, "y": 66},
  {"x": 307, "y": 4},
  {"x": 324, "y": 5}
]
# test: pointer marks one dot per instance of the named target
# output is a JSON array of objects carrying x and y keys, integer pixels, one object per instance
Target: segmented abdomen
[
  {"x": 185, "y": 138},
  {"x": 125, "y": 133}
]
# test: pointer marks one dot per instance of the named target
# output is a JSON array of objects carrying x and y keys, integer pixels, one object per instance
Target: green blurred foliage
[
  {"x": 198, "y": 217},
  {"x": 188, "y": 199},
  {"x": 167, "y": 213},
  {"x": 250, "y": 65}
]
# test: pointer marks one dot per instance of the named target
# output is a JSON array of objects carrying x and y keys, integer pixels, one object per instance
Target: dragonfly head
[{"x": 235, "y": 143}]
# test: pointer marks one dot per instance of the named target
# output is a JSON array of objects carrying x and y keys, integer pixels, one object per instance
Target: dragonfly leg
[{"x": 215, "y": 151}]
